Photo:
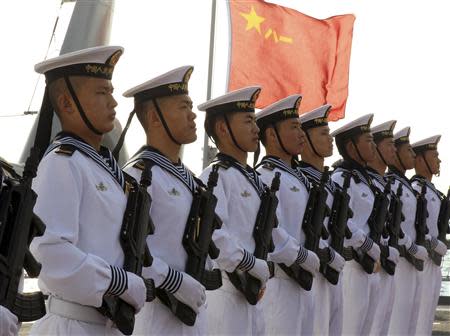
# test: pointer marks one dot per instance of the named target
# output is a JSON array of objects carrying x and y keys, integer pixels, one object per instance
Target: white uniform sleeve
[
  {"x": 358, "y": 236},
  {"x": 231, "y": 254},
  {"x": 67, "y": 271}
]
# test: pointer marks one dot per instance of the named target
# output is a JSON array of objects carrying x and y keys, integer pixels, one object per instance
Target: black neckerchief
[
  {"x": 399, "y": 176},
  {"x": 250, "y": 174},
  {"x": 357, "y": 169},
  {"x": 421, "y": 179},
  {"x": 178, "y": 170},
  {"x": 313, "y": 174},
  {"x": 275, "y": 161},
  {"x": 103, "y": 157},
  {"x": 376, "y": 176}
]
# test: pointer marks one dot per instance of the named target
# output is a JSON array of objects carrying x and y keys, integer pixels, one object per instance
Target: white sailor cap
[
  {"x": 402, "y": 136},
  {"x": 172, "y": 83},
  {"x": 242, "y": 100},
  {"x": 91, "y": 62},
  {"x": 283, "y": 109},
  {"x": 430, "y": 143},
  {"x": 354, "y": 128},
  {"x": 315, "y": 118},
  {"x": 383, "y": 131}
]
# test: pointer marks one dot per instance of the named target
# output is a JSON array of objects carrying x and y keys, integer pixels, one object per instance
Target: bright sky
[{"x": 399, "y": 64}]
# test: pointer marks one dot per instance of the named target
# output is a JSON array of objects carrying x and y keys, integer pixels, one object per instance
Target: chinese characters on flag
[{"x": 287, "y": 52}]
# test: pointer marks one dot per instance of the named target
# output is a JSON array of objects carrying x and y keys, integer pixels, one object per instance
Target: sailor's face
[
  {"x": 178, "y": 114},
  {"x": 407, "y": 155},
  {"x": 387, "y": 148},
  {"x": 292, "y": 135},
  {"x": 96, "y": 99},
  {"x": 245, "y": 130},
  {"x": 321, "y": 140},
  {"x": 432, "y": 157},
  {"x": 366, "y": 147}
]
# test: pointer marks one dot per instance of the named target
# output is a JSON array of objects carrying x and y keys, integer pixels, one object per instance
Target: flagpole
[{"x": 206, "y": 155}]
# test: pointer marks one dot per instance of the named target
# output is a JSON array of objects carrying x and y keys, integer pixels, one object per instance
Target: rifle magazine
[
  {"x": 183, "y": 312},
  {"x": 212, "y": 279},
  {"x": 29, "y": 306}
]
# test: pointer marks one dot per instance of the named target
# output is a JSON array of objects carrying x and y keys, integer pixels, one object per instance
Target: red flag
[{"x": 287, "y": 52}]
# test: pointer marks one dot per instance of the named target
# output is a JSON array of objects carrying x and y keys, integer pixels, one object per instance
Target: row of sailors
[{"x": 81, "y": 199}]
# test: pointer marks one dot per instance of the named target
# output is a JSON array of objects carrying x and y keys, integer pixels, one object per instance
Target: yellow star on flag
[{"x": 253, "y": 20}]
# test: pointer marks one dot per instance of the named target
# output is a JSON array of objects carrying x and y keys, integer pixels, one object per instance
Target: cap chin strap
[
  {"x": 116, "y": 151},
  {"x": 256, "y": 155},
  {"x": 279, "y": 140},
  {"x": 400, "y": 161},
  {"x": 311, "y": 144},
  {"x": 80, "y": 108},
  {"x": 426, "y": 163},
  {"x": 381, "y": 156},
  {"x": 231, "y": 133},
  {"x": 158, "y": 110},
  {"x": 357, "y": 152},
  {"x": 258, "y": 150}
]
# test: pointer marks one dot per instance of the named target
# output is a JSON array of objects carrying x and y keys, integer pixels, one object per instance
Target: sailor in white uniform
[
  {"x": 230, "y": 122},
  {"x": 427, "y": 164},
  {"x": 385, "y": 155},
  {"x": 288, "y": 308},
  {"x": 81, "y": 199},
  {"x": 328, "y": 305},
  {"x": 164, "y": 109},
  {"x": 407, "y": 279},
  {"x": 355, "y": 144}
]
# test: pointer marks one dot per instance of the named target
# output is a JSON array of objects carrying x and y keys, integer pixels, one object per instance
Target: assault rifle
[
  {"x": 315, "y": 213},
  {"x": 420, "y": 222},
  {"x": 337, "y": 226},
  {"x": 443, "y": 227},
  {"x": 136, "y": 225},
  {"x": 197, "y": 241},
  {"x": 262, "y": 233}
]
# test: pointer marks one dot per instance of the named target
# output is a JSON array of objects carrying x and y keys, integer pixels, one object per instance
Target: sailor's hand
[
  {"x": 337, "y": 262},
  {"x": 438, "y": 246},
  {"x": 308, "y": 260},
  {"x": 136, "y": 293},
  {"x": 260, "y": 271},
  {"x": 394, "y": 255},
  {"x": 374, "y": 252},
  {"x": 191, "y": 292},
  {"x": 418, "y": 251}
]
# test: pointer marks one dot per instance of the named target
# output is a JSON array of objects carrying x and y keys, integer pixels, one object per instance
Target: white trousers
[
  {"x": 405, "y": 310},
  {"x": 52, "y": 324},
  {"x": 431, "y": 277},
  {"x": 328, "y": 313},
  {"x": 288, "y": 308},
  {"x": 360, "y": 291},
  {"x": 229, "y": 313},
  {"x": 383, "y": 312}
]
